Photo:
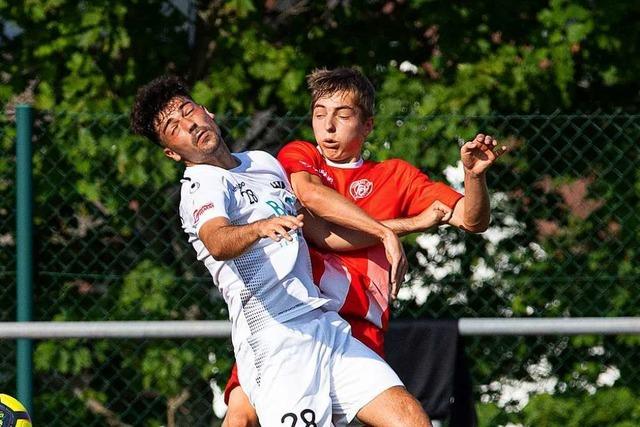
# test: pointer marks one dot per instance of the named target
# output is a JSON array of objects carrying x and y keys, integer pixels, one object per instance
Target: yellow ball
[{"x": 13, "y": 413}]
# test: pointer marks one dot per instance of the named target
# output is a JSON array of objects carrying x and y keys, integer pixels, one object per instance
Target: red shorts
[{"x": 368, "y": 333}]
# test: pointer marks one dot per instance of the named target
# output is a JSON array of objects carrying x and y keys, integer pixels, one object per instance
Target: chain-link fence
[{"x": 108, "y": 246}]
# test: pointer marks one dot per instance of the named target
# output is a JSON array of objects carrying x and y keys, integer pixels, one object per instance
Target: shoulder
[
  {"x": 201, "y": 178},
  {"x": 257, "y": 155},
  {"x": 299, "y": 147},
  {"x": 395, "y": 166},
  {"x": 262, "y": 158}
]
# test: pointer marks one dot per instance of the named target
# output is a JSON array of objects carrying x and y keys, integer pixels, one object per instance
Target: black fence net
[{"x": 108, "y": 246}]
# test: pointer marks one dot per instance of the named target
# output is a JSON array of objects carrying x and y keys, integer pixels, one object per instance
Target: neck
[{"x": 222, "y": 158}]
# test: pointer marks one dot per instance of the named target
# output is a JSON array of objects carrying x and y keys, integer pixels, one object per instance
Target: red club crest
[{"x": 360, "y": 189}]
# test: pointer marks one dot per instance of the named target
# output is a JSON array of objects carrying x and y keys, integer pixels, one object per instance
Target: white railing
[{"x": 222, "y": 328}]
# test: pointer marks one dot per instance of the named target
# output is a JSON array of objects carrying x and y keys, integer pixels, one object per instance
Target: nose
[
  {"x": 188, "y": 125},
  {"x": 329, "y": 124}
]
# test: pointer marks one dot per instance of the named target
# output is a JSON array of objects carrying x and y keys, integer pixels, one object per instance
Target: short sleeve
[
  {"x": 203, "y": 197},
  {"x": 300, "y": 156},
  {"x": 422, "y": 191}
]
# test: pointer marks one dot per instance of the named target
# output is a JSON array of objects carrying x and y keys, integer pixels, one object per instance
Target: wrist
[
  {"x": 257, "y": 228},
  {"x": 386, "y": 233},
  {"x": 469, "y": 174}
]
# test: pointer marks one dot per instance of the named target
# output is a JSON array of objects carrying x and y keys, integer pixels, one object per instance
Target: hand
[
  {"x": 437, "y": 213},
  {"x": 278, "y": 227},
  {"x": 398, "y": 261},
  {"x": 479, "y": 154}
]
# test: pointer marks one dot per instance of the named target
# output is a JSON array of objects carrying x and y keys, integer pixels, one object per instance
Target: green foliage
[
  {"x": 616, "y": 407},
  {"x": 147, "y": 290},
  {"x": 108, "y": 240}
]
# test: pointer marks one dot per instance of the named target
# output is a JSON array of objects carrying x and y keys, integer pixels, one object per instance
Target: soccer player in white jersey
[{"x": 298, "y": 364}]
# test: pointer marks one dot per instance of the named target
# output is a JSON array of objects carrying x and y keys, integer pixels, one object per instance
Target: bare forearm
[
  {"x": 477, "y": 209},
  {"x": 225, "y": 241},
  {"x": 334, "y": 237},
  {"x": 402, "y": 226},
  {"x": 335, "y": 208},
  {"x": 229, "y": 241}
]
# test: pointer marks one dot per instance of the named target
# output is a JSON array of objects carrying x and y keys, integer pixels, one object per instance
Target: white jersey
[{"x": 271, "y": 281}]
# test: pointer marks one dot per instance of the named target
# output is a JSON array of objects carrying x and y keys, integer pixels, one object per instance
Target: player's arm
[
  {"x": 473, "y": 211},
  {"x": 437, "y": 213},
  {"x": 333, "y": 237},
  {"x": 335, "y": 208},
  {"x": 225, "y": 241}
]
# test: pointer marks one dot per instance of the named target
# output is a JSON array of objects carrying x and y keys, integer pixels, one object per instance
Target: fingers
[
  {"x": 278, "y": 227},
  {"x": 487, "y": 145},
  {"x": 396, "y": 276},
  {"x": 393, "y": 288},
  {"x": 402, "y": 271},
  {"x": 441, "y": 211},
  {"x": 276, "y": 232},
  {"x": 447, "y": 216},
  {"x": 393, "y": 283},
  {"x": 398, "y": 261}
]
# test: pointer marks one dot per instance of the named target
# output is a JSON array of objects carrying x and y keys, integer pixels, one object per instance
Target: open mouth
[
  {"x": 330, "y": 144},
  {"x": 200, "y": 135}
]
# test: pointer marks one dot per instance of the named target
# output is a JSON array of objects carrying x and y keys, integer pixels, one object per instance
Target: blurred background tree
[{"x": 563, "y": 202}]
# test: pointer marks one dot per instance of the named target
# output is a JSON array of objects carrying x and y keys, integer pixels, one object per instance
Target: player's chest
[
  {"x": 377, "y": 193},
  {"x": 360, "y": 187},
  {"x": 260, "y": 196}
]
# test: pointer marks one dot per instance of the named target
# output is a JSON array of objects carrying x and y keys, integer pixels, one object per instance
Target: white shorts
[{"x": 310, "y": 371}]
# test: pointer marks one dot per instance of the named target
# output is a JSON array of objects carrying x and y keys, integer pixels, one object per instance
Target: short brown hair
[
  {"x": 151, "y": 99},
  {"x": 323, "y": 82}
]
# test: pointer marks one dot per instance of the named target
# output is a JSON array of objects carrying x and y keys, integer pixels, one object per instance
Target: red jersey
[{"x": 357, "y": 282}]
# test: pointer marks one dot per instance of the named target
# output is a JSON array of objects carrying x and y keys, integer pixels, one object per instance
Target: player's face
[
  {"x": 339, "y": 128},
  {"x": 188, "y": 132}
]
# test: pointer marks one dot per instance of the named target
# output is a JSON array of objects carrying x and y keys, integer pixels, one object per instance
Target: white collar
[{"x": 351, "y": 165}]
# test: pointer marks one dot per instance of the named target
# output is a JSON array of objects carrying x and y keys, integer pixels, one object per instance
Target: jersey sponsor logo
[
  {"x": 198, "y": 212},
  {"x": 278, "y": 184},
  {"x": 361, "y": 188},
  {"x": 321, "y": 172}
]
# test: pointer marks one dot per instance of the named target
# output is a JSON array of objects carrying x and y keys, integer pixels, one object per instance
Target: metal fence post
[{"x": 24, "y": 251}]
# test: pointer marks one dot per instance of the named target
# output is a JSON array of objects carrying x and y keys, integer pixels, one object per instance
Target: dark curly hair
[
  {"x": 323, "y": 82},
  {"x": 150, "y": 100}
]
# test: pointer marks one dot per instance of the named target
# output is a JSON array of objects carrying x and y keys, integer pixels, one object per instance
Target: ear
[
  {"x": 368, "y": 126},
  {"x": 171, "y": 154},
  {"x": 213, "y": 116}
]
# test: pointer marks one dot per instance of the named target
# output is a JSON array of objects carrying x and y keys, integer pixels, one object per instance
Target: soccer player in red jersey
[{"x": 333, "y": 181}]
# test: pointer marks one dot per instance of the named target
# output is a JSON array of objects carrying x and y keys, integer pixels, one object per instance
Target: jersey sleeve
[
  {"x": 203, "y": 197},
  {"x": 300, "y": 156},
  {"x": 422, "y": 191}
]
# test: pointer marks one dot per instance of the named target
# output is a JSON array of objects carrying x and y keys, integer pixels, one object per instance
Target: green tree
[{"x": 108, "y": 239}]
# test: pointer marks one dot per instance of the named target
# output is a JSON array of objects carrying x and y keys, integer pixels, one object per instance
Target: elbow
[
  {"x": 217, "y": 251},
  {"x": 478, "y": 227},
  {"x": 309, "y": 197},
  {"x": 218, "y": 254}
]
